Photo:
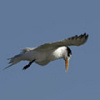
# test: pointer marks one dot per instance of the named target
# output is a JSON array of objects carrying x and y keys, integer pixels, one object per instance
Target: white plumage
[{"x": 47, "y": 52}]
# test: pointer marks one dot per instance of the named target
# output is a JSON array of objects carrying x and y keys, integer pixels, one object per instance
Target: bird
[{"x": 48, "y": 52}]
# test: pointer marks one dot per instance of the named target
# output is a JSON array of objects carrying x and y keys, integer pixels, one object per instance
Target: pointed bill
[{"x": 66, "y": 64}]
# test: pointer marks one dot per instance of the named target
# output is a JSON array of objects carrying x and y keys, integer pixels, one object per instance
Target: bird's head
[{"x": 69, "y": 54}]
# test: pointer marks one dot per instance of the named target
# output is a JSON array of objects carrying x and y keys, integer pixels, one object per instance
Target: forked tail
[{"x": 14, "y": 60}]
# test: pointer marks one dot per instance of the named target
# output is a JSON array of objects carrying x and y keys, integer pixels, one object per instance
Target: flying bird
[{"x": 48, "y": 52}]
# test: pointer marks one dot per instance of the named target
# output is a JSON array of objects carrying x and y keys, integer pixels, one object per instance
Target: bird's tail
[{"x": 14, "y": 60}]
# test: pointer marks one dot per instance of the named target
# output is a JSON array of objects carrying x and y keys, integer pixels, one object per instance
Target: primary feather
[{"x": 72, "y": 41}]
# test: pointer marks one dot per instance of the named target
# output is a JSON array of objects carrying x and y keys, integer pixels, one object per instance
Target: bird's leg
[{"x": 25, "y": 67}]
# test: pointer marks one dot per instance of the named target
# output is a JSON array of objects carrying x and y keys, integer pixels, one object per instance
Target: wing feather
[{"x": 72, "y": 41}]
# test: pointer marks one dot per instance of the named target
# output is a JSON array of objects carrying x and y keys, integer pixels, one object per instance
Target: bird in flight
[{"x": 48, "y": 52}]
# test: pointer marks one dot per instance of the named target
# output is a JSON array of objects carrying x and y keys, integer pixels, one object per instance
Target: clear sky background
[{"x": 30, "y": 23}]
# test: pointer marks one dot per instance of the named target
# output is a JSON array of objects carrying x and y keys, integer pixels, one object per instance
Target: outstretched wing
[{"x": 72, "y": 41}]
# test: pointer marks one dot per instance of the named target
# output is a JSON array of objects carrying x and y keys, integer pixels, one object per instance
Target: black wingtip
[{"x": 86, "y": 35}]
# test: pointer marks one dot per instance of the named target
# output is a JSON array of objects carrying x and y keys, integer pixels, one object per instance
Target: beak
[{"x": 66, "y": 64}]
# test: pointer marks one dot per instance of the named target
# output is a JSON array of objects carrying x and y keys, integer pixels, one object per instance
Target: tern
[{"x": 48, "y": 52}]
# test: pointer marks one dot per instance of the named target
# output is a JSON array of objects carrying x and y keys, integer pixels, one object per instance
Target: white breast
[{"x": 59, "y": 53}]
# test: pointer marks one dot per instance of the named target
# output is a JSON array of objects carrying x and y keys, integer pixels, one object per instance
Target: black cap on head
[{"x": 69, "y": 52}]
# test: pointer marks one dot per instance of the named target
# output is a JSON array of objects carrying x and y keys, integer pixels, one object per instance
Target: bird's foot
[{"x": 27, "y": 66}]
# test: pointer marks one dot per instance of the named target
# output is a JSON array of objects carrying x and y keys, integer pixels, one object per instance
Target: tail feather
[
  {"x": 8, "y": 66},
  {"x": 14, "y": 60},
  {"x": 18, "y": 58}
]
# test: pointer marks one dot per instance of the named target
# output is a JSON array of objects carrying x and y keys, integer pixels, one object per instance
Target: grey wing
[{"x": 72, "y": 41}]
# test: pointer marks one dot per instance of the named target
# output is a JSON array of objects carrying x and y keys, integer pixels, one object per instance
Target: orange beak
[{"x": 66, "y": 64}]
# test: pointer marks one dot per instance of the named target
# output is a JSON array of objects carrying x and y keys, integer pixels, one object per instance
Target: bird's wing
[{"x": 72, "y": 41}]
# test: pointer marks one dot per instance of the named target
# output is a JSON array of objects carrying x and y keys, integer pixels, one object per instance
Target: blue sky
[{"x": 30, "y": 23}]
